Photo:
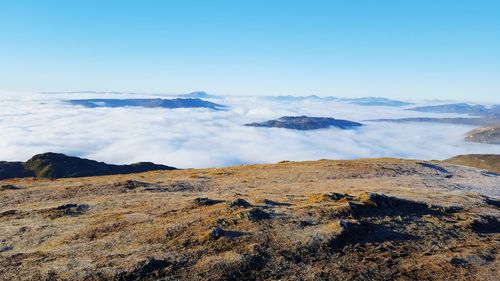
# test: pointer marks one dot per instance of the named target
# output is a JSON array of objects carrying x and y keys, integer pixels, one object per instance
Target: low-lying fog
[{"x": 34, "y": 123}]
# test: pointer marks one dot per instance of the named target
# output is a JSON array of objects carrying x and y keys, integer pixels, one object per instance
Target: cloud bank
[{"x": 33, "y": 123}]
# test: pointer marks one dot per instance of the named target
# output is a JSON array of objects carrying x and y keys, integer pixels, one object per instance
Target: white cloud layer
[{"x": 35, "y": 123}]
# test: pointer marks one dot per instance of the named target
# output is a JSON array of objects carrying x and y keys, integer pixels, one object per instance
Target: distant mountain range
[
  {"x": 366, "y": 101},
  {"x": 196, "y": 94},
  {"x": 306, "y": 123},
  {"x": 200, "y": 95},
  {"x": 87, "y": 92},
  {"x": 462, "y": 108},
  {"x": 55, "y": 165},
  {"x": 479, "y": 121},
  {"x": 163, "y": 103},
  {"x": 289, "y": 98},
  {"x": 376, "y": 101}
]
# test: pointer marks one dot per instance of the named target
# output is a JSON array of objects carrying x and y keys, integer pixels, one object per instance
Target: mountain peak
[{"x": 57, "y": 165}]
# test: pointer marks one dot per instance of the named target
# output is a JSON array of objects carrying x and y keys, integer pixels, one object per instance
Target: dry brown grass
[
  {"x": 302, "y": 230},
  {"x": 490, "y": 162}
]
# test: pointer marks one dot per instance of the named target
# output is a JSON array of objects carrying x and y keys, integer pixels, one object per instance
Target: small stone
[
  {"x": 238, "y": 203},
  {"x": 458, "y": 262},
  {"x": 452, "y": 209},
  {"x": 204, "y": 201},
  {"x": 66, "y": 206},
  {"x": 255, "y": 214},
  {"x": 492, "y": 202},
  {"x": 486, "y": 224},
  {"x": 217, "y": 233},
  {"x": 354, "y": 206},
  {"x": 133, "y": 184},
  {"x": 8, "y": 213},
  {"x": 5, "y": 248},
  {"x": 223, "y": 222},
  {"x": 344, "y": 224},
  {"x": 305, "y": 223},
  {"x": 336, "y": 196},
  {"x": 9, "y": 187},
  {"x": 348, "y": 225},
  {"x": 73, "y": 209}
]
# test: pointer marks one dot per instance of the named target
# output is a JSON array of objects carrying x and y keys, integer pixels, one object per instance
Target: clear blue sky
[{"x": 401, "y": 48}]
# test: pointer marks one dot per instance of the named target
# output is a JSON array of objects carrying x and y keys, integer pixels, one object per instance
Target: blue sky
[{"x": 400, "y": 49}]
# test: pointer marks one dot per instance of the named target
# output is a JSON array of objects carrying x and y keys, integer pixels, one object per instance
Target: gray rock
[
  {"x": 5, "y": 248},
  {"x": 238, "y": 203},
  {"x": 204, "y": 201},
  {"x": 217, "y": 233},
  {"x": 255, "y": 214}
]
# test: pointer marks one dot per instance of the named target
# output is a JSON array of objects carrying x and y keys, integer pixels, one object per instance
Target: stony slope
[{"x": 373, "y": 219}]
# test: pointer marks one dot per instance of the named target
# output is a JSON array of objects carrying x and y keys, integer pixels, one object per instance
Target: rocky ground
[{"x": 372, "y": 219}]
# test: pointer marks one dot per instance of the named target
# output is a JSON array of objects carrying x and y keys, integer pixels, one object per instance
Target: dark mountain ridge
[
  {"x": 150, "y": 103},
  {"x": 56, "y": 165}
]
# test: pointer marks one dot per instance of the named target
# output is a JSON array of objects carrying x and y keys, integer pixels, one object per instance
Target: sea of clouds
[{"x": 32, "y": 123}]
